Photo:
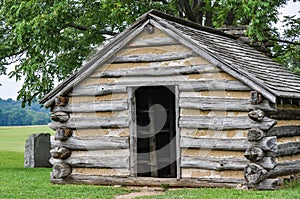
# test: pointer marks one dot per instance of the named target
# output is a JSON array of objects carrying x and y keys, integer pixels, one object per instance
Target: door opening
[{"x": 156, "y": 131}]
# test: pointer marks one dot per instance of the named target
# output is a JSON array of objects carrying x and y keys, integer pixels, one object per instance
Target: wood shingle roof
[{"x": 240, "y": 60}]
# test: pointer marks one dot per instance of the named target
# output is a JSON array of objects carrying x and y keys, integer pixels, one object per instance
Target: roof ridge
[{"x": 191, "y": 24}]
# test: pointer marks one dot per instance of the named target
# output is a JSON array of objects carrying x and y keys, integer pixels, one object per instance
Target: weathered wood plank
[
  {"x": 95, "y": 161},
  {"x": 155, "y": 71},
  {"x": 201, "y": 85},
  {"x": 286, "y": 149},
  {"x": 222, "y": 104},
  {"x": 117, "y": 105},
  {"x": 284, "y": 114},
  {"x": 267, "y": 144},
  {"x": 91, "y": 122},
  {"x": 152, "y": 57},
  {"x": 154, "y": 41},
  {"x": 224, "y": 123},
  {"x": 214, "y": 143},
  {"x": 285, "y": 168},
  {"x": 140, "y": 181},
  {"x": 214, "y": 163},
  {"x": 284, "y": 131},
  {"x": 256, "y": 115},
  {"x": 216, "y": 94},
  {"x": 268, "y": 184},
  {"x": 254, "y": 173},
  {"x": 93, "y": 143}
]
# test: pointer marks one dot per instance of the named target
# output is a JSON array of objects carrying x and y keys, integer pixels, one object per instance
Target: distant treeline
[{"x": 12, "y": 114}]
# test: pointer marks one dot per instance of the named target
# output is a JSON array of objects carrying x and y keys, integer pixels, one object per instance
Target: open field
[
  {"x": 18, "y": 182},
  {"x": 13, "y": 138}
]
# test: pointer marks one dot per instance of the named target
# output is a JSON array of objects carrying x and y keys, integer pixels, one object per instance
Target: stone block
[{"x": 37, "y": 151}]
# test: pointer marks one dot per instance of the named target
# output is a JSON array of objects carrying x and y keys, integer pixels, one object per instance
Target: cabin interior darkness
[{"x": 156, "y": 142}]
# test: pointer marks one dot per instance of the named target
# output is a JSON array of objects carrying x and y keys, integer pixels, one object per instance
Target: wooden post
[{"x": 61, "y": 170}]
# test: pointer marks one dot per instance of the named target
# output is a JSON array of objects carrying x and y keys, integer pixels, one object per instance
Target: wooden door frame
[{"x": 133, "y": 130}]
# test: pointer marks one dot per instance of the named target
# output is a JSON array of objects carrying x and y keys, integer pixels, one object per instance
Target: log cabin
[{"x": 168, "y": 101}]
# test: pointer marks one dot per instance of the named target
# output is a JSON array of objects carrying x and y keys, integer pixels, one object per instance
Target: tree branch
[
  {"x": 22, "y": 51},
  {"x": 285, "y": 41},
  {"x": 85, "y": 28}
]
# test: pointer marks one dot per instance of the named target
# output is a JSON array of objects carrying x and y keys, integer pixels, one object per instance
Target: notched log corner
[
  {"x": 256, "y": 97},
  {"x": 256, "y": 115},
  {"x": 254, "y": 154},
  {"x": 61, "y": 101},
  {"x": 255, "y": 134},
  {"x": 60, "y": 153},
  {"x": 61, "y": 170},
  {"x": 63, "y": 133},
  {"x": 254, "y": 173},
  {"x": 60, "y": 117}
]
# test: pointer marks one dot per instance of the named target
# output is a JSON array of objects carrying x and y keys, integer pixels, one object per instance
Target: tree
[{"x": 49, "y": 39}]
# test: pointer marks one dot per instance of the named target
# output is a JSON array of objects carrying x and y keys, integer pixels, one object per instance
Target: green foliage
[
  {"x": 11, "y": 114},
  {"x": 47, "y": 40}
]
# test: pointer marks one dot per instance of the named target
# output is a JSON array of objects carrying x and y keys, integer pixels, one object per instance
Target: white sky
[{"x": 10, "y": 87}]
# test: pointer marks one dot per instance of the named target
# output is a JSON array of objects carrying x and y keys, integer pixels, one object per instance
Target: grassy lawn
[{"x": 18, "y": 182}]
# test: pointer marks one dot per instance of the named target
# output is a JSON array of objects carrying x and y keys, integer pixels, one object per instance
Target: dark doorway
[{"x": 156, "y": 131}]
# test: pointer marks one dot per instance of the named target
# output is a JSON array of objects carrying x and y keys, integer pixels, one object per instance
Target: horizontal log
[
  {"x": 117, "y": 105},
  {"x": 254, "y": 153},
  {"x": 268, "y": 184},
  {"x": 284, "y": 114},
  {"x": 267, "y": 144},
  {"x": 255, "y": 173},
  {"x": 152, "y": 57},
  {"x": 92, "y": 143},
  {"x": 255, "y": 134},
  {"x": 184, "y": 85},
  {"x": 213, "y": 163},
  {"x": 222, "y": 104},
  {"x": 285, "y": 168},
  {"x": 286, "y": 149},
  {"x": 256, "y": 97},
  {"x": 60, "y": 153},
  {"x": 61, "y": 101},
  {"x": 224, "y": 123},
  {"x": 63, "y": 133},
  {"x": 158, "y": 71},
  {"x": 155, "y": 41},
  {"x": 284, "y": 131},
  {"x": 147, "y": 181},
  {"x": 91, "y": 123},
  {"x": 60, "y": 117},
  {"x": 256, "y": 115},
  {"x": 267, "y": 163},
  {"x": 95, "y": 161},
  {"x": 61, "y": 170},
  {"x": 214, "y": 143}
]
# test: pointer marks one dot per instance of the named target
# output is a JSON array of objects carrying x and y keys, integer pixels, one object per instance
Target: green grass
[
  {"x": 19, "y": 182},
  {"x": 13, "y": 138}
]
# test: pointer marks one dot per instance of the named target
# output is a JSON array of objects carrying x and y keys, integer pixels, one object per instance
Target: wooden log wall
[{"x": 220, "y": 136}]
